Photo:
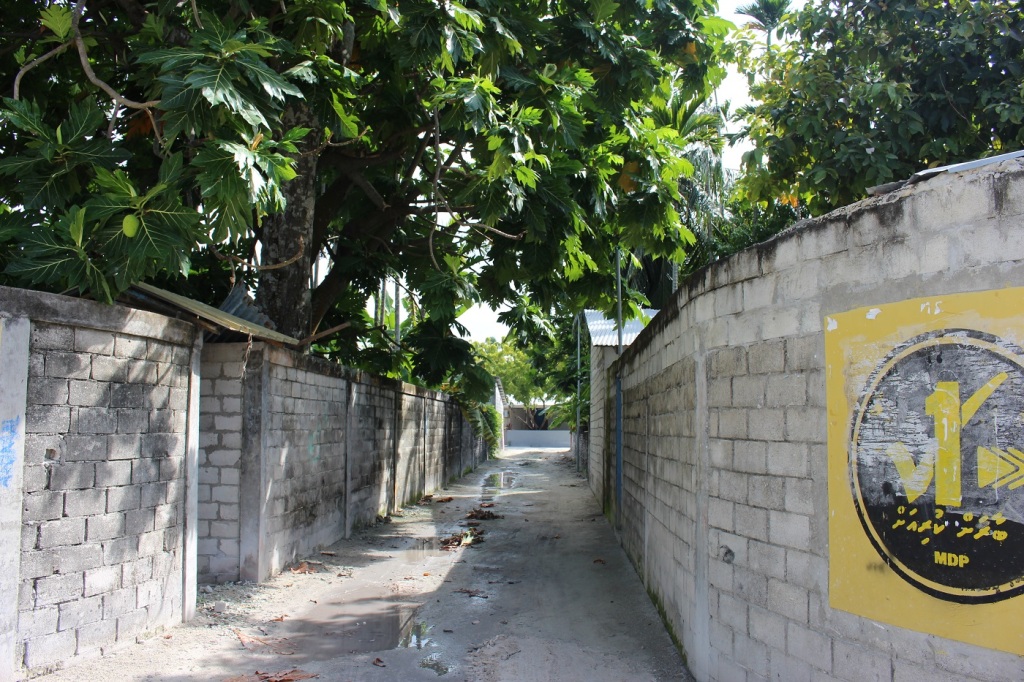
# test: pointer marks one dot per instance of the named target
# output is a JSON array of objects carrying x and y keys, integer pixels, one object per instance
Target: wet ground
[{"x": 511, "y": 574}]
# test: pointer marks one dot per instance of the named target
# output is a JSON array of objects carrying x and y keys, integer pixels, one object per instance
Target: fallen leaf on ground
[
  {"x": 426, "y": 499},
  {"x": 444, "y": 499},
  {"x": 469, "y": 592},
  {"x": 304, "y": 567},
  {"x": 426, "y": 574},
  {"x": 486, "y": 505},
  {"x": 379, "y": 663},
  {"x": 326, "y": 553},
  {"x": 600, "y": 561},
  {"x": 249, "y": 642},
  {"x": 472, "y": 524},
  {"x": 463, "y": 539},
  {"x": 483, "y": 515},
  {"x": 292, "y": 675},
  {"x": 279, "y": 619},
  {"x": 258, "y": 644}
]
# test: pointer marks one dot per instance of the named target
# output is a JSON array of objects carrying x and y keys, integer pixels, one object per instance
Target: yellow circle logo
[{"x": 937, "y": 464}]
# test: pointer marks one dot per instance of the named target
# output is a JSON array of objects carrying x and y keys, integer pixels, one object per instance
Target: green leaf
[
  {"x": 266, "y": 78},
  {"x": 77, "y": 226},
  {"x": 603, "y": 9},
  {"x": 57, "y": 18},
  {"x": 347, "y": 123},
  {"x": 216, "y": 85}
]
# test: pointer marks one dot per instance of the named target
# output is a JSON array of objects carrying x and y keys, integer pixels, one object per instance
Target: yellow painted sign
[{"x": 926, "y": 465}]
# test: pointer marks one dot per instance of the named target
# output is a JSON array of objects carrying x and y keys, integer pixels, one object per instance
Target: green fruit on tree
[{"x": 130, "y": 225}]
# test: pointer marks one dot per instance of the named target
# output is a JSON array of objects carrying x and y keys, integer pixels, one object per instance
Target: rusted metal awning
[{"x": 209, "y": 318}]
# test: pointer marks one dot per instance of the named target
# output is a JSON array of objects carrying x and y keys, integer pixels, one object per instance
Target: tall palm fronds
[{"x": 766, "y": 15}]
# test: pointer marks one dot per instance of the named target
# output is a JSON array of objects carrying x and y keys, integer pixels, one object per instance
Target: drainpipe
[
  {"x": 398, "y": 317},
  {"x": 579, "y": 444},
  {"x": 618, "y": 390}
]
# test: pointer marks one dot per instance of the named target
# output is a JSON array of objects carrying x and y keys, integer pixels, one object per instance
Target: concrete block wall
[
  {"x": 220, "y": 455},
  {"x": 371, "y": 475},
  {"x": 602, "y": 423},
  {"x": 725, "y": 492},
  {"x": 306, "y": 443},
  {"x": 104, "y": 550},
  {"x": 298, "y": 451}
]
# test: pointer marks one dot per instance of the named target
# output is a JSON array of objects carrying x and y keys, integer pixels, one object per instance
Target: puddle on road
[
  {"x": 433, "y": 662},
  {"x": 497, "y": 483},
  {"x": 422, "y": 549},
  {"x": 334, "y": 629},
  {"x": 416, "y": 637}
]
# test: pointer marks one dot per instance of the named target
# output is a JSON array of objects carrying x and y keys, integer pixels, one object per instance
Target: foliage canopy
[
  {"x": 867, "y": 93},
  {"x": 484, "y": 150}
]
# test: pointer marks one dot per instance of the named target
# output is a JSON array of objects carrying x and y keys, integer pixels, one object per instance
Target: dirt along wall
[
  {"x": 822, "y": 444},
  {"x": 297, "y": 451},
  {"x": 98, "y": 435}
]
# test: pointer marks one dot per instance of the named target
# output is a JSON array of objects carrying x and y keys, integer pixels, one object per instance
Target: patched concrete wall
[
  {"x": 220, "y": 454},
  {"x": 106, "y": 512},
  {"x": 725, "y": 490},
  {"x": 297, "y": 451},
  {"x": 601, "y": 443}
]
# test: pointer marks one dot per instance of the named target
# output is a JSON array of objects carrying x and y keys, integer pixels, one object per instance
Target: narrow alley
[{"x": 510, "y": 574}]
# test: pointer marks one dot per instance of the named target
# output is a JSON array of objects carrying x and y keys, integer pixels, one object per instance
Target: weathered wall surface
[
  {"x": 725, "y": 503},
  {"x": 107, "y": 436},
  {"x": 601, "y": 441},
  {"x": 298, "y": 451}
]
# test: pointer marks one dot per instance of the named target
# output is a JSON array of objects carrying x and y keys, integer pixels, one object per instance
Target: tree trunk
[{"x": 284, "y": 293}]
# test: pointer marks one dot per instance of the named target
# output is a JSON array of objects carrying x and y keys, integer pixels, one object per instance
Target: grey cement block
[
  {"x": 42, "y": 506},
  {"x": 68, "y": 365},
  {"x": 88, "y": 448},
  {"x": 50, "y": 649},
  {"x": 109, "y": 369},
  {"x": 809, "y": 646},
  {"x": 124, "y": 498},
  {"x": 58, "y": 588},
  {"x": 111, "y": 474},
  {"x": 47, "y": 419},
  {"x": 104, "y": 527},
  {"x": 85, "y": 502},
  {"x": 96, "y": 420},
  {"x": 94, "y": 341},
  {"x": 61, "y": 533},
  {"x": 130, "y": 347},
  {"x": 74, "y": 614},
  {"x": 96, "y": 635},
  {"x": 102, "y": 580},
  {"x": 47, "y": 391},
  {"x": 38, "y": 622},
  {"x": 45, "y": 336}
]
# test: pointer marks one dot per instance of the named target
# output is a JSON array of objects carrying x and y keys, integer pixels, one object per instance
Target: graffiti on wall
[
  {"x": 926, "y": 464},
  {"x": 8, "y": 440}
]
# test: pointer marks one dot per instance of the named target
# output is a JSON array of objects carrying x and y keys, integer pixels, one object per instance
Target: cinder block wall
[
  {"x": 725, "y": 494},
  {"x": 601, "y": 443},
  {"x": 104, "y": 551},
  {"x": 297, "y": 451},
  {"x": 220, "y": 454}
]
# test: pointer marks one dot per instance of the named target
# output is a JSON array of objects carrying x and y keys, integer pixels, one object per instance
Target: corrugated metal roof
[
  {"x": 604, "y": 333},
  {"x": 217, "y": 317},
  {"x": 931, "y": 172}
]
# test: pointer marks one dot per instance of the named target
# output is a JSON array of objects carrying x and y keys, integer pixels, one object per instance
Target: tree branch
[
  {"x": 83, "y": 56},
  {"x": 231, "y": 258},
  {"x": 36, "y": 62}
]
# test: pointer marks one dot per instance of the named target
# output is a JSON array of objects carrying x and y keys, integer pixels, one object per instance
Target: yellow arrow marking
[
  {"x": 1000, "y": 467},
  {"x": 974, "y": 403},
  {"x": 915, "y": 477}
]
